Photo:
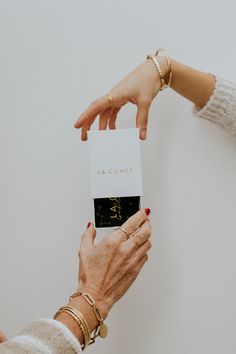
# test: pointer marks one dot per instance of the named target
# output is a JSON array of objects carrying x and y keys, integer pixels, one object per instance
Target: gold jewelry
[
  {"x": 110, "y": 99},
  {"x": 124, "y": 231},
  {"x": 101, "y": 330},
  {"x": 161, "y": 76},
  {"x": 80, "y": 320},
  {"x": 135, "y": 232},
  {"x": 169, "y": 65}
]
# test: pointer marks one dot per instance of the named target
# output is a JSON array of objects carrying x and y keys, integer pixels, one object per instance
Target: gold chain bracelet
[{"x": 101, "y": 330}]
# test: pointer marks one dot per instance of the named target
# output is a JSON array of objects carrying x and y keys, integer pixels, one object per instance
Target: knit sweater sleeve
[
  {"x": 44, "y": 336},
  {"x": 221, "y": 107}
]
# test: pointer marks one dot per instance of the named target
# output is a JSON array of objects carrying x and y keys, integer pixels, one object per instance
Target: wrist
[
  {"x": 103, "y": 303},
  {"x": 80, "y": 303},
  {"x": 163, "y": 64}
]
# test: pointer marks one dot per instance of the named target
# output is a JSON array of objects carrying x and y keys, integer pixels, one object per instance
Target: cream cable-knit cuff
[
  {"x": 24, "y": 344},
  {"x": 221, "y": 107},
  {"x": 55, "y": 335}
]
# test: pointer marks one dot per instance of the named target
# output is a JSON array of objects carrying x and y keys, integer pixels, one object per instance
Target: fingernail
[
  {"x": 89, "y": 223},
  {"x": 143, "y": 134},
  {"x": 147, "y": 211}
]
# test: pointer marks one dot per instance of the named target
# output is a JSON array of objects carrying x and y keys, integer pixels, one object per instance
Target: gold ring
[
  {"x": 110, "y": 99},
  {"x": 135, "y": 232},
  {"x": 124, "y": 231}
]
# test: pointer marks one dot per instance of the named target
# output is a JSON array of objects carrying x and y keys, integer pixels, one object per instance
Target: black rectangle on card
[{"x": 112, "y": 212}]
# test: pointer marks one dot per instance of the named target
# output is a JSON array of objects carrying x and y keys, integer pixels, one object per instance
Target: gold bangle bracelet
[
  {"x": 80, "y": 320},
  {"x": 161, "y": 76},
  {"x": 169, "y": 65}
]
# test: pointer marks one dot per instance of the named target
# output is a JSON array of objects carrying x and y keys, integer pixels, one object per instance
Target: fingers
[
  {"x": 84, "y": 132},
  {"x": 129, "y": 279},
  {"x": 142, "y": 251},
  {"x": 87, "y": 239},
  {"x": 104, "y": 117},
  {"x": 135, "y": 242},
  {"x": 112, "y": 119},
  {"x": 132, "y": 224},
  {"x": 142, "y": 118},
  {"x": 92, "y": 111},
  {"x": 108, "y": 115}
]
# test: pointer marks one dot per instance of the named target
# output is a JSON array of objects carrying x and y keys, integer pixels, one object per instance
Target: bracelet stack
[
  {"x": 162, "y": 77},
  {"x": 80, "y": 320},
  {"x": 101, "y": 329},
  {"x": 88, "y": 338}
]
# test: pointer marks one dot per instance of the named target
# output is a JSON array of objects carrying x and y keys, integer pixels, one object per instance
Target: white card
[{"x": 115, "y": 163}]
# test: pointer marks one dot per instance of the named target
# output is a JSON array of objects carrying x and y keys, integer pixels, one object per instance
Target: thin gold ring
[
  {"x": 110, "y": 99},
  {"x": 124, "y": 231},
  {"x": 135, "y": 232}
]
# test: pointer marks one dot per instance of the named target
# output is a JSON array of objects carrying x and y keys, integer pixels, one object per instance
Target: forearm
[
  {"x": 192, "y": 84},
  {"x": 62, "y": 335}
]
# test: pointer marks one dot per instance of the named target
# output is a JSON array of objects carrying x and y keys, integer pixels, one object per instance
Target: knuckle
[
  {"x": 149, "y": 244},
  {"x": 94, "y": 103},
  {"x": 129, "y": 225},
  {"x": 147, "y": 228},
  {"x": 81, "y": 252},
  {"x": 124, "y": 252},
  {"x": 110, "y": 243}
]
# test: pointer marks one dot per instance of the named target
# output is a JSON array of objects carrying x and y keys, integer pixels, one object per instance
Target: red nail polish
[
  {"x": 148, "y": 211},
  {"x": 89, "y": 223}
]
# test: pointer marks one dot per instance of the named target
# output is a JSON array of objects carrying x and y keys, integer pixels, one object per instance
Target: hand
[
  {"x": 139, "y": 87},
  {"x": 108, "y": 269}
]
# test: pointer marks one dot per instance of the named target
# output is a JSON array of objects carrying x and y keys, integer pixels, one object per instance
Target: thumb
[
  {"x": 88, "y": 236},
  {"x": 142, "y": 118}
]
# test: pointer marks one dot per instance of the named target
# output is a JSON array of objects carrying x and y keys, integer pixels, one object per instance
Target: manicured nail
[
  {"x": 148, "y": 211},
  {"x": 89, "y": 223}
]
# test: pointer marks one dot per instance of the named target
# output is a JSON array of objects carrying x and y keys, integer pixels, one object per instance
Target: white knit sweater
[
  {"x": 221, "y": 107},
  {"x": 47, "y": 336}
]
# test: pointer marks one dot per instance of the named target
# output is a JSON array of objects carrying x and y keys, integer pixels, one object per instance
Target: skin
[
  {"x": 108, "y": 269},
  {"x": 140, "y": 87}
]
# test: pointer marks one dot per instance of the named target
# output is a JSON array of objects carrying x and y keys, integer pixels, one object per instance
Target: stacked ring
[{"x": 124, "y": 231}]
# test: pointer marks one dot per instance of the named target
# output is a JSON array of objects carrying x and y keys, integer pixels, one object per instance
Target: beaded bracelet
[{"x": 154, "y": 58}]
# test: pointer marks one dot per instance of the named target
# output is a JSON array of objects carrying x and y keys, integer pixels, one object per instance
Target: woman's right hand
[{"x": 108, "y": 269}]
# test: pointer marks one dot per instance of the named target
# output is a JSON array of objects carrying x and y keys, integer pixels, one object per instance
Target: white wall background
[{"x": 56, "y": 56}]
